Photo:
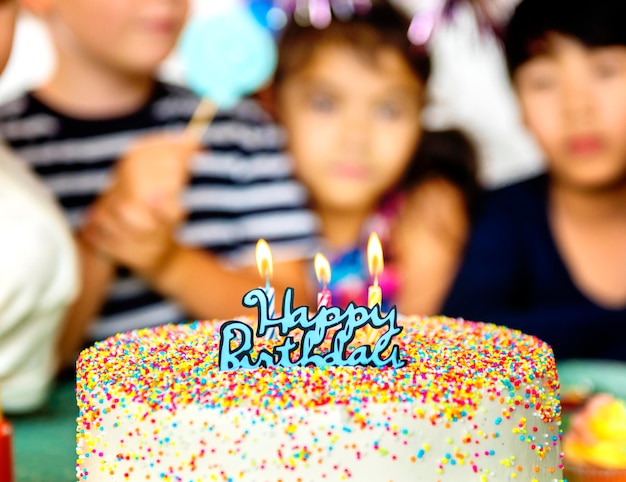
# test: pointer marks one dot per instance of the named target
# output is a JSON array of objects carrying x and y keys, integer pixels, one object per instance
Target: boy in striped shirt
[{"x": 101, "y": 133}]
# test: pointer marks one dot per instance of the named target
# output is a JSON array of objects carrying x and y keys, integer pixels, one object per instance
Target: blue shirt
[{"x": 513, "y": 275}]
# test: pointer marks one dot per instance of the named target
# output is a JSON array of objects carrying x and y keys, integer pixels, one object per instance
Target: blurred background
[{"x": 469, "y": 87}]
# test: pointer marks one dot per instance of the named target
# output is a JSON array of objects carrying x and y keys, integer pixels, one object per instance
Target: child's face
[
  {"x": 353, "y": 125},
  {"x": 130, "y": 35},
  {"x": 8, "y": 12},
  {"x": 574, "y": 101}
]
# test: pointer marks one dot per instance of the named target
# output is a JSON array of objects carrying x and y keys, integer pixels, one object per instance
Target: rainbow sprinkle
[{"x": 454, "y": 368}]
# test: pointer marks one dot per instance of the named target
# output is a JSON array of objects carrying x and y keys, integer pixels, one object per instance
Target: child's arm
[
  {"x": 96, "y": 274},
  {"x": 197, "y": 281},
  {"x": 428, "y": 242},
  {"x": 155, "y": 169},
  {"x": 145, "y": 243}
]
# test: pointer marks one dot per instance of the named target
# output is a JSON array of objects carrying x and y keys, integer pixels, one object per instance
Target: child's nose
[
  {"x": 577, "y": 100},
  {"x": 356, "y": 129}
]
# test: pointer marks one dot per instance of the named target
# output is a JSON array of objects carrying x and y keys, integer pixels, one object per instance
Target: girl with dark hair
[
  {"x": 350, "y": 97},
  {"x": 548, "y": 255}
]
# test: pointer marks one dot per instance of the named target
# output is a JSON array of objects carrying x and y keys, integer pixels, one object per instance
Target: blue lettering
[
  {"x": 229, "y": 333},
  {"x": 237, "y": 338}
]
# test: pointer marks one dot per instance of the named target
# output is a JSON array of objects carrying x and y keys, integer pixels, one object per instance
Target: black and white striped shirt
[{"x": 241, "y": 187}]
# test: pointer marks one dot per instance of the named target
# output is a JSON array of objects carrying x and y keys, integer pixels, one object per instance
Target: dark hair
[
  {"x": 379, "y": 26},
  {"x": 596, "y": 23},
  {"x": 449, "y": 154}
]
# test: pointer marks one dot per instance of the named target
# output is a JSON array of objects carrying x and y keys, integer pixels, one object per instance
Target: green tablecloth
[{"x": 45, "y": 442}]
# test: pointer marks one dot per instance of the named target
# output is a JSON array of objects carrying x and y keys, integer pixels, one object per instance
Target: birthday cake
[{"x": 448, "y": 400}]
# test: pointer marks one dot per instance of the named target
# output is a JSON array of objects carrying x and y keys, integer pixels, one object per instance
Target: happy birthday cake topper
[
  {"x": 237, "y": 337},
  {"x": 324, "y": 338}
]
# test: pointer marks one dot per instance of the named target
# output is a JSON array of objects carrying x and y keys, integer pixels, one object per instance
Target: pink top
[{"x": 350, "y": 276}]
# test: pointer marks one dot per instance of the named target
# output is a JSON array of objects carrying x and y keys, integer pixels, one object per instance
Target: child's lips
[
  {"x": 350, "y": 171},
  {"x": 583, "y": 145},
  {"x": 161, "y": 25}
]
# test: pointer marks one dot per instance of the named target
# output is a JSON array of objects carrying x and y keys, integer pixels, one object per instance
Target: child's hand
[
  {"x": 134, "y": 234},
  {"x": 428, "y": 239},
  {"x": 156, "y": 170}
]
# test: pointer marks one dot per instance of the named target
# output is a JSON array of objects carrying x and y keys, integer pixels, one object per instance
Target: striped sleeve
[{"x": 241, "y": 187}]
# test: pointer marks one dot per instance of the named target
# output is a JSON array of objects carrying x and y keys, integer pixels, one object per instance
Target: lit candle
[
  {"x": 375, "y": 265},
  {"x": 265, "y": 266},
  {"x": 322, "y": 272}
]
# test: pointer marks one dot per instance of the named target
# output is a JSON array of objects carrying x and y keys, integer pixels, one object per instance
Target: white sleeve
[{"x": 38, "y": 280}]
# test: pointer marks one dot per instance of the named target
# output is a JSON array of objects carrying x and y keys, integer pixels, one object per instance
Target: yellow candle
[
  {"x": 375, "y": 264},
  {"x": 266, "y": 269},
  {"x": 374, "y": 296}
]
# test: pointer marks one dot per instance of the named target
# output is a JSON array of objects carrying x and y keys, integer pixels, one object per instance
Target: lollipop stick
[{"x": 201, "y": 118}]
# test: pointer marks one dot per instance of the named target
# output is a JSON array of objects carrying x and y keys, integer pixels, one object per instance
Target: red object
[
  {"x": 324, "y": 298},
  {"x": 6, "y": 452}
]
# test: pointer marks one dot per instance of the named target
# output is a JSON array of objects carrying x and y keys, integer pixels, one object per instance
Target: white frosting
[
  {"x": 261, "y": 425},
  {"x": 203, "y": 444}
]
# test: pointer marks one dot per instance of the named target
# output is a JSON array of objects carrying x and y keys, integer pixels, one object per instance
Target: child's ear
[{"x": 36, "y": 7}]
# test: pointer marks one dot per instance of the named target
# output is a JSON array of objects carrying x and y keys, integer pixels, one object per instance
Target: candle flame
[
  {"x": 322, "y": 269},
  {"x": 375, "y": 256},
  {"x": 264, "y": 259}
]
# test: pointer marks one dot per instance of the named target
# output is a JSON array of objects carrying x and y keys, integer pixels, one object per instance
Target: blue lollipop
[{"x": 226, "y": 56}]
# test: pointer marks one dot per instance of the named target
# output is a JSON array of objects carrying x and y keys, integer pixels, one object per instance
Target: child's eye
[
  {"x": 541, "y": 83},
  {"x": 539, "y": 75},
  {"x": 605, "y": 70},
  {"x": 322, "y": 103},
  {"x": 608, "y": 62},
  {"x": 389, "y": 111}
]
